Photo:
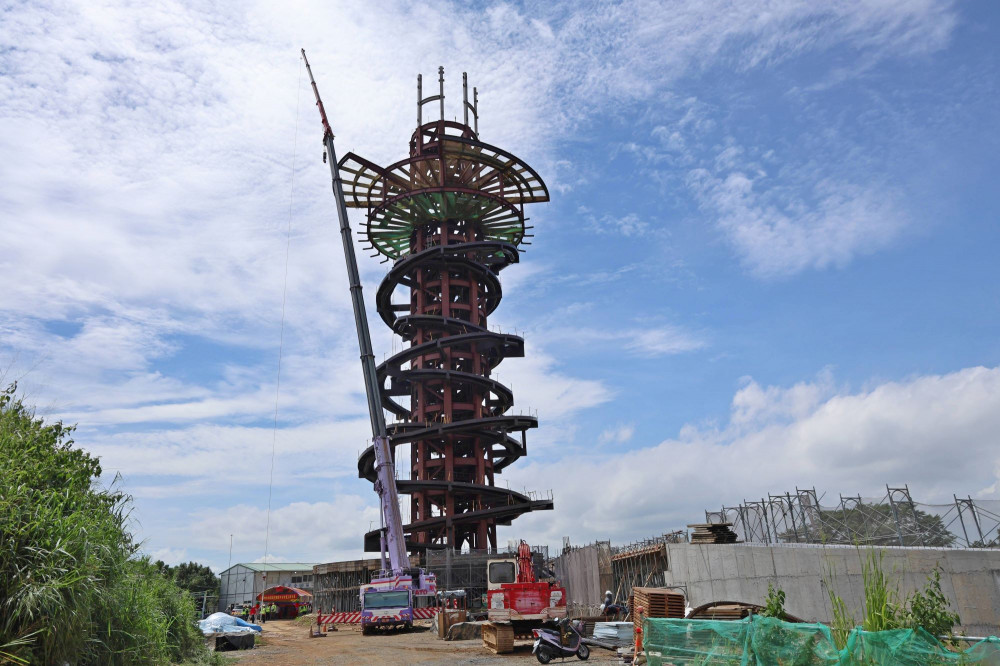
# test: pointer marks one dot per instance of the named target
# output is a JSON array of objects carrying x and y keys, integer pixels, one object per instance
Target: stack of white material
[
  {"x": 224, "y": 623},
  {"x": 619, "y": 633}
]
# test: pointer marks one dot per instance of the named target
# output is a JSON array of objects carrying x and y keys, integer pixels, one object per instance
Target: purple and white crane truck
[{"x": 388, "y": 600}]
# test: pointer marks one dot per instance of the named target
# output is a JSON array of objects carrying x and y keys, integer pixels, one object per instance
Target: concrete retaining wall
[
  {"x": 585, "y": 572},
  {"x": 741, "y": 572}
]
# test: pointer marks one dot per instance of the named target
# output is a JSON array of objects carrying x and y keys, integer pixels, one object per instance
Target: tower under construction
[{"x": 450, "y": 217}]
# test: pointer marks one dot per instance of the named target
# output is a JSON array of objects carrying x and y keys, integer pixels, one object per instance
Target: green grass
[{"x": 881, "y": 595}]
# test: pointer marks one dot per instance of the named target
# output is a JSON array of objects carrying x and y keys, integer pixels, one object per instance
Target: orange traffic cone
[{"x": 638, "y": 633}]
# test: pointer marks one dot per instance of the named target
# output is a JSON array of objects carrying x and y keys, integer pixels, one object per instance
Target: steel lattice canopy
[{"x": 459, "y": 178}]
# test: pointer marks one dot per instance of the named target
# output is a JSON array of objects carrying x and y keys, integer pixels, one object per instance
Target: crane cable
[{"x": 281, "y": 339}]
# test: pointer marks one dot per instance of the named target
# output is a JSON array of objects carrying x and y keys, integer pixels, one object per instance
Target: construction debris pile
[{"x": 712, "y": 533}]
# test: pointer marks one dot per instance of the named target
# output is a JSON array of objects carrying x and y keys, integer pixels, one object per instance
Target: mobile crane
[{"x": 388, "y": 600}]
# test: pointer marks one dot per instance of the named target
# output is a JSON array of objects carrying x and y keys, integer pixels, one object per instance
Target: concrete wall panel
[{"x": 741, "y": 572}]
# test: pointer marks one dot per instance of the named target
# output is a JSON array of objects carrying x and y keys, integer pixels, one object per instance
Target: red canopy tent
[{"x": 290, "y": 600}]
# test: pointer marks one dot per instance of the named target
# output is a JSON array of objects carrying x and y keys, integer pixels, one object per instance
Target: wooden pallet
[
  {"x": 657, "y": 602},
  {"x": 498, "y": 638}
]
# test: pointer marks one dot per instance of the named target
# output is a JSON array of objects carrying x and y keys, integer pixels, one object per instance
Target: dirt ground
[{"x": 287, "y": 642}]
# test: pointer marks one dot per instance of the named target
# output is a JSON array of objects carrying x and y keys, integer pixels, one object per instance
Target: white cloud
[
  {"x": 778, "y": 232},
  {"x": 173, "y": 129},
  {"x": 937, "y": 433},
  {"x": 320, "y": 531},
  {"x": 148, "y": 166},
  {"x": 659, "y": 340},
  {"x": 171, "y": 556},
  {"x": 209, "y": 457},
  {"x": 648, "y": 340},
  {"x": 628, "y": 226},
  {"x": 619, "y": 434},
  {"x": 539, "y": 386}
]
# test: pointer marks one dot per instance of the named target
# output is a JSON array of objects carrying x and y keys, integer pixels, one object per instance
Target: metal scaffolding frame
[
  {"x": 458, "y": 570},
  {"x": 641, "y": 563},
  {"x": 894, "y": 519}
]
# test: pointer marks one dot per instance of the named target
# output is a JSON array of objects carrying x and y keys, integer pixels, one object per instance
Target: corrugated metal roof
[{"x": 276, "y": 566}]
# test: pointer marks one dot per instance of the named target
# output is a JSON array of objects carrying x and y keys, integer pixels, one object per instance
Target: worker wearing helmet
[{"x": 609, "y": 607}]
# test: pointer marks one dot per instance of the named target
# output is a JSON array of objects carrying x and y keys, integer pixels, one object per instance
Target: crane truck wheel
[
  {"x": 583, "y": 652},
  {"x": 544, "y": 654}
]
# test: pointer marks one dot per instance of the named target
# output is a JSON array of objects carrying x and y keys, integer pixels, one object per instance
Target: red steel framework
[{"x": 451, "y": 217}]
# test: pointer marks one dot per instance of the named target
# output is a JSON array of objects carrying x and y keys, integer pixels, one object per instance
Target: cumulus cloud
[
  {"x": 209, "y": 456},
  {"x": 936, "y": 433},
  {"x": 320, "y": 531},
  {"x": 539, "y": 385}
]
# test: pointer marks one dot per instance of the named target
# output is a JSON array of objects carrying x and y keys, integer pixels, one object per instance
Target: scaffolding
[
  {"x": 337, "y": 585},
  {"x": 893, "y": 519},
  {"x": 458, "y": 570},
  {"x": 641, "y": 563}
]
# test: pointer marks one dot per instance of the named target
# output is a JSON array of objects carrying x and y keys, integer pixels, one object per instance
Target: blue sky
[{"x": 769, "y": 258}]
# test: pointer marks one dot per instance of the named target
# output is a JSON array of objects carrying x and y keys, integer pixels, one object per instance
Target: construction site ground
[{"x": 288, "y": 642}]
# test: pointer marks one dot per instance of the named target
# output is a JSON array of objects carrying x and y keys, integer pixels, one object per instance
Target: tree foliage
[
  {"x": 191, "y": 576},
  {"x": 72, "y": 589}
]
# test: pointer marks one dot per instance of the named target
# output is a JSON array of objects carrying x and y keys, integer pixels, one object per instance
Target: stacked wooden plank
[
  {"x": 712, "y": 533},
  {"x": 726, "y": 612},
  {"x": 498, "y": 638},
  {"x": 656, "y": 602}
]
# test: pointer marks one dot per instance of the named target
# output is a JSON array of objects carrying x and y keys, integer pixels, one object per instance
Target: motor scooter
[{"x": 563, "y": 641}]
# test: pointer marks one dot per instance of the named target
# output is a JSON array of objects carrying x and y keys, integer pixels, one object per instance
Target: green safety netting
[{"x": 765, "y": 641}]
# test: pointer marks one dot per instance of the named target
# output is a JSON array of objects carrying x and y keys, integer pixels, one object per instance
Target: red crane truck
[{"x": 514, "y": 594}]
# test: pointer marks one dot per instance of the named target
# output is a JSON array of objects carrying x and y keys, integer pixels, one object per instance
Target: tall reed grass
[{"x": 72, "y": 589}]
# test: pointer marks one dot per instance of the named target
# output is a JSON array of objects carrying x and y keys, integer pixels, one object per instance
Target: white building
[{"x": 243, "y": 582}]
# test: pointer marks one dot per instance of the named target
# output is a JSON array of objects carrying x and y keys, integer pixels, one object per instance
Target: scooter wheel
[
  {"x": 583, "y": 652},
  {"x": 544, "y": 654}
]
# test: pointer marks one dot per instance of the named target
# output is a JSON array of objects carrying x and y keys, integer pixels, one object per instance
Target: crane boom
[{"x": 393, "y": 543}]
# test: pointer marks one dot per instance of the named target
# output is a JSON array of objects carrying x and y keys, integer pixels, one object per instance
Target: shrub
[
  {"x": 928, "y": 608},
  {"x": 774, "y": 604}
]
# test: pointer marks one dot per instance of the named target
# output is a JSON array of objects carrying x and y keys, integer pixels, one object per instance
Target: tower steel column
[{"x": 450, "y": 217}]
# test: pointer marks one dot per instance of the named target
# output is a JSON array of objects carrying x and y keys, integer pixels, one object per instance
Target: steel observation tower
[{"x": 450, "y": 217}]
